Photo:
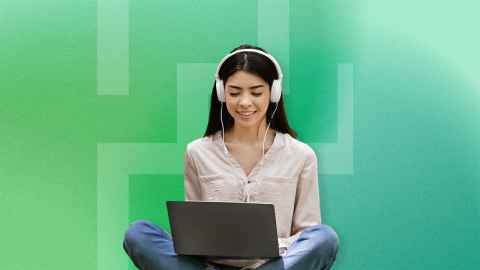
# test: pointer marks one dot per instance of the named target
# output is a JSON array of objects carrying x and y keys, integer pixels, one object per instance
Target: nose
[{"x": 244, "y": 101}]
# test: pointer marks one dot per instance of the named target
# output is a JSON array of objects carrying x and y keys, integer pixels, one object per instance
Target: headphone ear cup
[
  {"x": 220, "y": 90},
  {"x": 276, "y": 91}
]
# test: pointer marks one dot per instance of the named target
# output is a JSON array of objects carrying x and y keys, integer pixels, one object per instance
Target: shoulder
[
  {"x": 299, "y": 148},
  {"x": 200, "y": 145}
]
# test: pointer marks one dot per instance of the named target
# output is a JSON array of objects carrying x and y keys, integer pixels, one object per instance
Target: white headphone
[{"x": 276, "y": 90}]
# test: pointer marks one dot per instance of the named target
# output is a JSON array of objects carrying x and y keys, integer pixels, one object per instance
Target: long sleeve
[
  {"x": 307, "y": 200},
  {"x": 191, "y": 182}
]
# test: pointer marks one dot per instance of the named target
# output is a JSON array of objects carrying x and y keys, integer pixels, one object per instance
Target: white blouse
[{"x": 287, "y": 178}]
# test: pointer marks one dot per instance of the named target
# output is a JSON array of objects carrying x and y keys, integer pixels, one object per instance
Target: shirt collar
[{"x": 278, "y": 141}]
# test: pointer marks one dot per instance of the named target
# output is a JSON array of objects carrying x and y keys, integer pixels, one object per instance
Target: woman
[{"x": 248, "y": 153}]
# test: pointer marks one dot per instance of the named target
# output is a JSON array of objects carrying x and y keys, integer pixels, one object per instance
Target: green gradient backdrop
[{"x": 98, "y": 98}]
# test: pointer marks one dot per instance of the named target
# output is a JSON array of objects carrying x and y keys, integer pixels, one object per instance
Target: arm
[
  {"x": 191, "y": 182},
  {"x": 307, "y": 200}
]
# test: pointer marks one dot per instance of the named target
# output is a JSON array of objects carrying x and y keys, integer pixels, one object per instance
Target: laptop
[{"x": 233, "y": 230}]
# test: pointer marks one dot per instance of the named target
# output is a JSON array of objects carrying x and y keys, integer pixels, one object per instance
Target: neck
[{"x": 247, "y": 135}]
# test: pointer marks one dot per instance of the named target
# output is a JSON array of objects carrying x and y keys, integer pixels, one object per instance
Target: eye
[
  {"x": 234, "y": 94},
  {"x": 257, "y": 94}
]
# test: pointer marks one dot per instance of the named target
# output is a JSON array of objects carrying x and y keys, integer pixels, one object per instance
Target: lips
[{"x": 246, "y": 114}]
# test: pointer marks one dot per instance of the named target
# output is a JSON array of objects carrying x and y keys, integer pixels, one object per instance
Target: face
[{"x": 247, "y": 97}]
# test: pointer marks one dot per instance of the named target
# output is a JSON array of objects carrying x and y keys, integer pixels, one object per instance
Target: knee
[
  {"x": 135, "y": 233},
  {"x": 326, "y": 240}
]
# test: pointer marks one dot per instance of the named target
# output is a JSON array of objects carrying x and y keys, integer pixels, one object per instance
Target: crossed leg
[{"x": 151, "y": 248}]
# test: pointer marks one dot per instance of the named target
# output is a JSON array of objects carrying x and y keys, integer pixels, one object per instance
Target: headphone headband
[{"x": 269, "y": 56}]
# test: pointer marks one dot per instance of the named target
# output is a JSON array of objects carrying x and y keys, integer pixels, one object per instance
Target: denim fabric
[{"x": 151, "y": 248}]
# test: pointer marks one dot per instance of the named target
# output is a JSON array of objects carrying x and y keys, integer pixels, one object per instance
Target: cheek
[
  {"x": 231, "y": 107},
  {"x": 229, "y": 104},
  {"x": 264, "y": 104}
]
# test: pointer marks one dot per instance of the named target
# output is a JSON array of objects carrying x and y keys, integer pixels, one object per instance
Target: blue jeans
[{"x": 151, "y": 248}]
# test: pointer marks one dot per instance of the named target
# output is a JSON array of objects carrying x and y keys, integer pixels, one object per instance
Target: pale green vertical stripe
[
  {"x": 337, "y": 158},
  {"x": 112, "y": 207},
  {"x": 273, "y": 33},
  {"x": 112, "y": 47}
]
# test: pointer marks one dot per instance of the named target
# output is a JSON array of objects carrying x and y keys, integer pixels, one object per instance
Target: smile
[{"x": 245, "y": 114}]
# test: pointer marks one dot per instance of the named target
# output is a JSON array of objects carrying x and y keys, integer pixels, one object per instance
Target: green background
[{"x": 98, "y": 98}]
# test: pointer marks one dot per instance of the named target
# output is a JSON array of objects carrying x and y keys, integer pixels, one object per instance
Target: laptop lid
[{"x": 223, "y": 229}]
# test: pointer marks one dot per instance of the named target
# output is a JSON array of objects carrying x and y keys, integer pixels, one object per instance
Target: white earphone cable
[
  {"x": 263, "y": 143},
  {"x": 265, "y": 136},
  {"x": 223, "y": 129}
]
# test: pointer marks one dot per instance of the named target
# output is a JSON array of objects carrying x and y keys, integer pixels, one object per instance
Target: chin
[{"x": 248, "y": 124}]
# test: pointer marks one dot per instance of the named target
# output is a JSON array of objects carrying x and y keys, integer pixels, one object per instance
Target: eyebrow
[{"x": 238, "y": 87}]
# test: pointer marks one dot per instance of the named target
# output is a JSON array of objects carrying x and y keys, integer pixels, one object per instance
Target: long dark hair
[{"x": 256, "y": 64}]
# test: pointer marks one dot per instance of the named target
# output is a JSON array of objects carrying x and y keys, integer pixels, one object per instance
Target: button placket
[{"x": 246, "y": 179}]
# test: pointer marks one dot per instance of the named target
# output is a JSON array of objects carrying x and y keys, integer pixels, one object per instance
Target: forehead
[{"x": 244, "y": 78}]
